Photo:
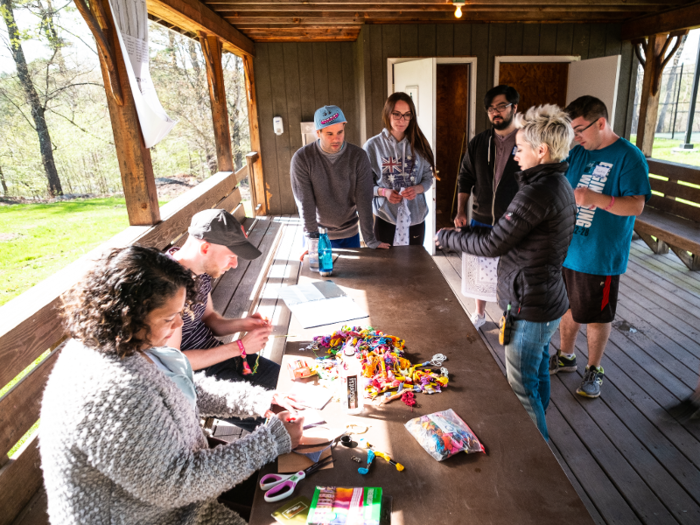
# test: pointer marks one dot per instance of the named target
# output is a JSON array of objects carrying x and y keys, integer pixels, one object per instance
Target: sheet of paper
[
  {"x": 328, "y": 311},
  {"x": 320, "y": 303},
  {"x": 311, "y": 396}
]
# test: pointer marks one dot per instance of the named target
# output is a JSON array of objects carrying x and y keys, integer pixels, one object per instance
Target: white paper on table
[
  {"x": 311, "y": 396},
  {"x": 320, "y": 303},
  {"x": 131, "y": 22}
]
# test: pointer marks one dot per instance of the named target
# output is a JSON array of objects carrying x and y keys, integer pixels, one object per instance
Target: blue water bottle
[{"x": 325, "y": 254}]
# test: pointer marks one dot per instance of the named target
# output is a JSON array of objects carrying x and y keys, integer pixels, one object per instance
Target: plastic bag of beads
[{"x": 444, "y": 434}]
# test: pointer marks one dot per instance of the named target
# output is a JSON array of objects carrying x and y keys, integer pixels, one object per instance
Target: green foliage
[{"x": 71, "y": 89}]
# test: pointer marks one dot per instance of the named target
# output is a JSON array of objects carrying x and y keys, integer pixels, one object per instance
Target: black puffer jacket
[
  {"x": 532, "y": 239},
  {"x": 476, "y": 176}
]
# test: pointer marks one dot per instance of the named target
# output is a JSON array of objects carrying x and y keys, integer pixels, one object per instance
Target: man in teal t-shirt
[{"x": 610, "y": 178}]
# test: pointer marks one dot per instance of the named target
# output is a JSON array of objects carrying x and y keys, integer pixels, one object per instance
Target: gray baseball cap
[{"x": 220, "y": 227}]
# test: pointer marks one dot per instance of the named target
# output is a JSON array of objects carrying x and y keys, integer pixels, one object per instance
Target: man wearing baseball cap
[
  {"x": 216, "y": 241},
  {"x": 333, "y": 184}
]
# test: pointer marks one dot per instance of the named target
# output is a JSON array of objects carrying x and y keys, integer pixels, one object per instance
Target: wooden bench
[
  {"x": 667, "y": 221},
  {"x": 31, "y": 326}
]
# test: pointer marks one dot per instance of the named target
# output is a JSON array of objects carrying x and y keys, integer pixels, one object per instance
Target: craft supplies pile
[{"x": 385, "y": 369}]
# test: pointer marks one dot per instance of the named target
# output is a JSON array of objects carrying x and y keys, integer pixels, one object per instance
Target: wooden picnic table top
[{"x": 518, "y": 480}]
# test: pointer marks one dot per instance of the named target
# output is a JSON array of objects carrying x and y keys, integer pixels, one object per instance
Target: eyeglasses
[
  {"x": 579, "y": 132},
  {"x": 498, "y": 109},
  {"x": 398, "y": 116}
]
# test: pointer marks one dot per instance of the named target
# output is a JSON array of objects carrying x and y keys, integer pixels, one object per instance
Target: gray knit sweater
[
  {"x": 331, "y": 190},
  {"x": 120, "y": 443}
]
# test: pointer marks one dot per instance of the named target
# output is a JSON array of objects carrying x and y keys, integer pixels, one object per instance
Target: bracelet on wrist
[
  {"x": 246, "y": 366},
  {"x": 612, "y": 201}
]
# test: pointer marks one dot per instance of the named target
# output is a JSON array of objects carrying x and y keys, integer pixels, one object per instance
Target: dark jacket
[
  {"x": 476, "y": 176},
  {"x": 532, "y": 239}
]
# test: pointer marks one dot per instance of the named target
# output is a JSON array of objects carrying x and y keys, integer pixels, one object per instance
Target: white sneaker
[{"x": 478, "y": 320}]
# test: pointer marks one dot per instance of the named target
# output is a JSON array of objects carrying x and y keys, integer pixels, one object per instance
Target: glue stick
[{"x": 351, "y": 396}]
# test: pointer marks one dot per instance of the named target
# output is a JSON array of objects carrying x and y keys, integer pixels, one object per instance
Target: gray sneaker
[
  {"x": 592, "y": 381},
  {"x": 559, "y": 363}
]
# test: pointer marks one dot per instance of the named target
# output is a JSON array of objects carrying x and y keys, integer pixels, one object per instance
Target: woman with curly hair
[
  {"x": 120, "y": 435},
  {"x": 532, "y": 238}
]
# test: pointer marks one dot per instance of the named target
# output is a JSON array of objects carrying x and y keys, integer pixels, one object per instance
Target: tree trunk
[
  {"x": 38, "y": 111},
  {"x": 4, "y": 184},
  {"x": 671, "y": 87}
]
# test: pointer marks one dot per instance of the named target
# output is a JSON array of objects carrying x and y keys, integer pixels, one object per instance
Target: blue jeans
[
  {"x": 347, "y": 242},
  {"x": 527, "y": 365}
]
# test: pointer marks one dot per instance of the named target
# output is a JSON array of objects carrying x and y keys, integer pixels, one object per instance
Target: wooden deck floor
[{"x": 628, "y": 459}]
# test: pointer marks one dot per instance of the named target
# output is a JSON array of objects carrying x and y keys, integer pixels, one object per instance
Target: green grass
[
  {"x": 663, "y": 150},
  {"x": 50, "y": 236}
]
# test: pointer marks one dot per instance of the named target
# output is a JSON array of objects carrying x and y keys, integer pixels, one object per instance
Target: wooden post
[
  {"x": 133, "y": 156},
  {"x": 211, "y": 48},
  {"x": 255, "y": 176},
  {"x": 654, "y": 61}
]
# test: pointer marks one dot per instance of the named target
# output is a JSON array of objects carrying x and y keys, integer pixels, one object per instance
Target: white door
[
  {"x": 417, "y": 78},
  {"x": 597, "y": 77}
]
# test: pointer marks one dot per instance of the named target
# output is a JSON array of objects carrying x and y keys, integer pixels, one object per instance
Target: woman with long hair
[
  {"x": 403, "y": 165},
  {"x": 120, "y": 435}
]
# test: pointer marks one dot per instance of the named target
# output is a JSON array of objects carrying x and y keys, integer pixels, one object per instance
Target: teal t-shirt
[{"x": 601, "y": 241}]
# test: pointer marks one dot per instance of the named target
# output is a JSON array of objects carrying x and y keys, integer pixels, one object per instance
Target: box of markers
[{"x": 345, "y": 506}]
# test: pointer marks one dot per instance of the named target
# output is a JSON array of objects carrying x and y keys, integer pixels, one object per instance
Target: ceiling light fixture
[{"x": 458, "y": 4}]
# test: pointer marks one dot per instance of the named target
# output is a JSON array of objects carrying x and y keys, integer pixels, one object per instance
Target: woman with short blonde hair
[{"x": 532, "y": 238}]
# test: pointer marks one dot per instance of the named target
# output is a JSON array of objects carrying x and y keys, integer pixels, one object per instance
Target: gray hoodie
[{"x": 394, "y": 168}]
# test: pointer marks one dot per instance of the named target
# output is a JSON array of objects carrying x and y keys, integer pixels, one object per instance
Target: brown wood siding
[{"x": 298, "y": 77}]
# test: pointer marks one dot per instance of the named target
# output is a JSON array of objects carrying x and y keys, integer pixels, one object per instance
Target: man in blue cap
[{"x": 333, "y": 184}]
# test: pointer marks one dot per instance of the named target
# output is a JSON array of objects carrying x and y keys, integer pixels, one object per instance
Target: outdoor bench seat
[{"x": 668, "y": 222}]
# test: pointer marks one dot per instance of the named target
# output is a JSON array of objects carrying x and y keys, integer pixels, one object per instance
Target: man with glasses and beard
[
  {"x": 487, "y": 173},
  {"x": 610, "y": 177}
]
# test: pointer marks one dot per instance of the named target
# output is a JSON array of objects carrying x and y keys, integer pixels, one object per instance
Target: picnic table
[{"x": 518, "y": 480}]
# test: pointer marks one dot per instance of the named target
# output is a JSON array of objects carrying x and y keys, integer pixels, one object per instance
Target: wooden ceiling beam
[
  {"x": 687, "y": 17},
  {"x": 193, "y": 16},
  {"x": 283, "y": 4},
  {"x": 389, "y": 18},
  {"x": 355, "y": 9}
]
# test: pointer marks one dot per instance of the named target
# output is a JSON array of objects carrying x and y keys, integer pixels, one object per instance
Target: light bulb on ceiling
[{"x": 458, "y": 10}]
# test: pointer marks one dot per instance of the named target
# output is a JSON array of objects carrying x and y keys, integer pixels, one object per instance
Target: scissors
[{"x": 280, "y": 487}]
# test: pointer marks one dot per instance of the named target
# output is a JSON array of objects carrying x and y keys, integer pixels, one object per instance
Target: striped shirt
[{"x": 195, "y": 334}]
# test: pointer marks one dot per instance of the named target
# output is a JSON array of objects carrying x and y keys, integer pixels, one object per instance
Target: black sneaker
[
  {"x": 559, "y": 363},
  {"x": 685, "y": 410},
  {"x": 592, "y": 381}
]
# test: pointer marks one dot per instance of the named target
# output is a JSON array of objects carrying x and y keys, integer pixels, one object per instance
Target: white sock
[{"x": 569, "y": 356}]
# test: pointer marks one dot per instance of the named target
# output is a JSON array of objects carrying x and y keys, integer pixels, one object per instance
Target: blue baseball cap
[{"x": 327, "y": 116}]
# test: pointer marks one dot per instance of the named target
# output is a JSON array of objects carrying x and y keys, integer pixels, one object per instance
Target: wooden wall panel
[
  {"x": 268, "y": 149},
  {"x": 565, "y": 39},
  {"x": 548, "y": 39},
  {"x": 480, "y": 49},
  {"x": 279, "y": 108},
  {"x": 463, "y": 40},
  {"x": 596, "y": 47},
  {"x": 409, "y": 40},
  {"x": 543, "y": 83},
  {"x": 304, "y": 76},
  {"x": 445, "y": 40},
  {"x": 582, "y": 36},
  {"x": 427, "y": 41},
  {"x": 514, "y": 39},
  {"x": 531, "y": 39},
  {"x": 391, "y": 47}
]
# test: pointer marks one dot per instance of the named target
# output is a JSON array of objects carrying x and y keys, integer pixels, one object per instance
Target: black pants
[
  {"x": 232, "y": 370},
  {"x": 384, "y": 232}
]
